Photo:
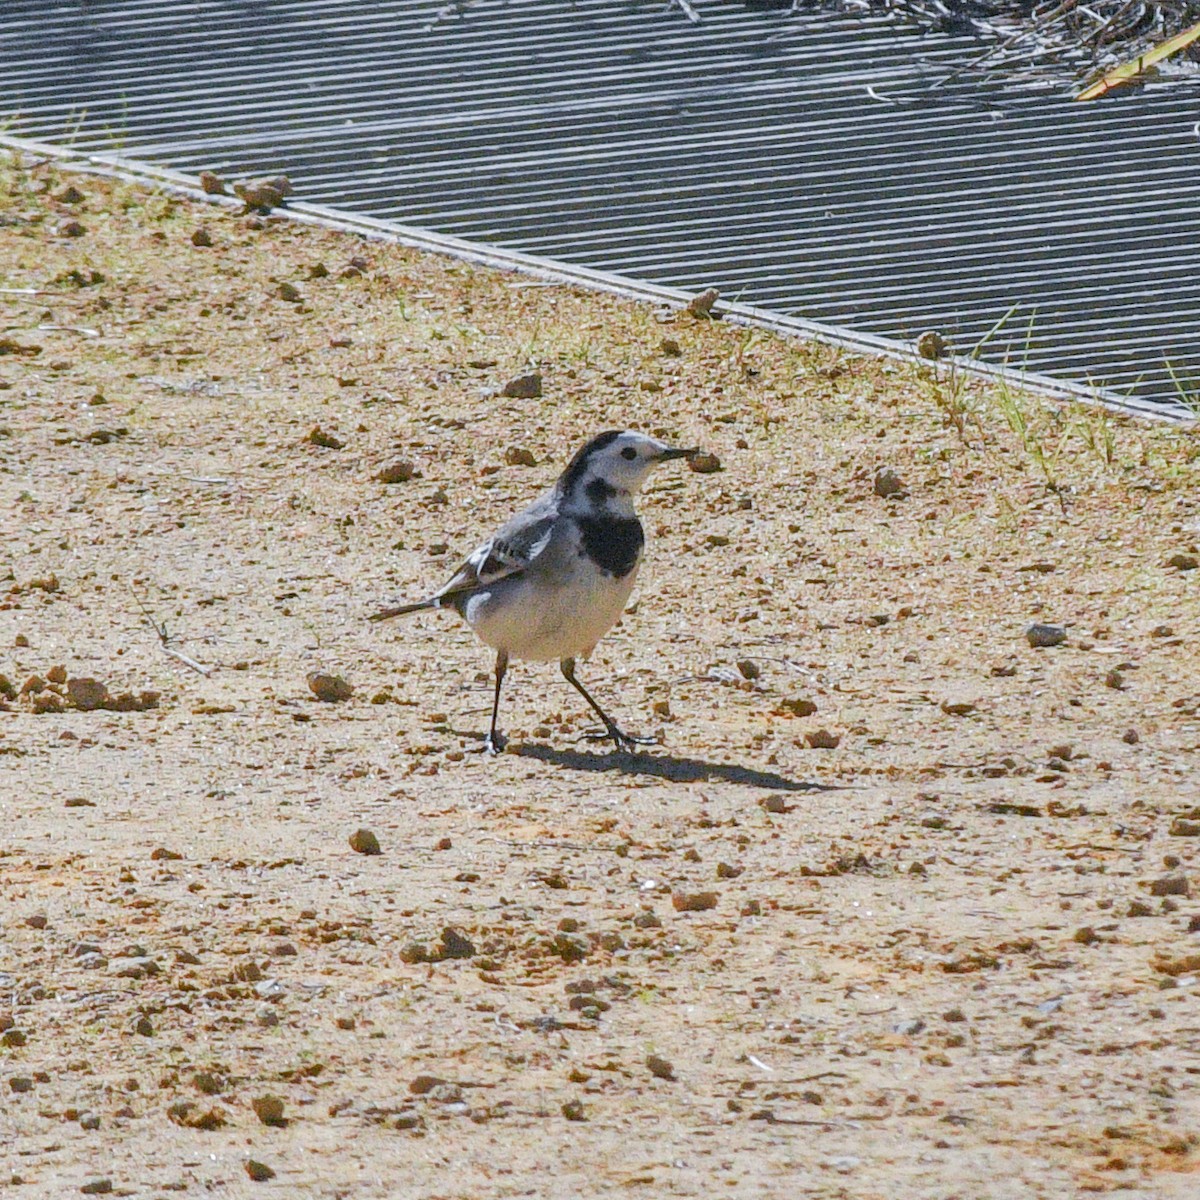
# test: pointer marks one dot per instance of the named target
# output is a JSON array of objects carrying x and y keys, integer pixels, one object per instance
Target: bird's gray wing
[{"x": 509, "y": 551}]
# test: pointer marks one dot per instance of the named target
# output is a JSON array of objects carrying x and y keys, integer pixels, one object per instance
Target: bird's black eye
[{"x": 629, "y": 452}]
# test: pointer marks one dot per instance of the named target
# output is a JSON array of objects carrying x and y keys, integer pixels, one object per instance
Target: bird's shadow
[{"x": 668, "y": 766}]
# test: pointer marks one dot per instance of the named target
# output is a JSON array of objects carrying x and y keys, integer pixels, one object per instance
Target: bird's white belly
[{"x": 549, "y": 623}]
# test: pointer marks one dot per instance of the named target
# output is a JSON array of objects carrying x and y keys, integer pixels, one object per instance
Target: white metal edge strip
[{"x": 567, "y": 273}]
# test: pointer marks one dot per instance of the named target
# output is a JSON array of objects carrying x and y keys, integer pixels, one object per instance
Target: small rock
[
  {"x": 822, "y": 739},
  {"x": 455, "y": 945},
  {"x": 364, "y": 842},
  {"x": 32, "y": 686},
  {"x": 20, "y": 1083},
  {"x": 570, "y": 947},
  {"x": 1183, "y": 562},
  {"x": 728, "y": 870},
  {"x": 519, "y": 456},
  {"x": 13, "y": 1037},
  {"x": 647, "y": 920},
  {"x": 330, "y": 689},
  {"x": 318, "y": 437},
  {"x": 70, "y": 195},
  {"x": 97, "y": 1187},
  {"x": 422, "y": 1085},
  {"x": 262, "y": 195},
  {"x": 144, "y": 1026},
  {"x": 212, "y": 183},
  {"x": 1039, "y": 636},
  {"x": 701, "y": 305},
  {"x": 1175, "y": 884},
  {"x": 932, "y": 345},
  {"x": 1131, "y": 737},
  {"x": 693, "y": 901},
  {"x": 799, "y": 706},
  {"x": 748, "y": 668},
  {"x": 162, "y": 854},
  {"x": 258, "y": 1171},
  {"x": 888, "y": 483},
  {"x": 201, "y": 237},
  {"x": 209, "y": 1083},
  {"x": 268, "y": 1109},
  {"x": 670, "y": 347},
  {"x": 1138, "y": 908},
  {"x": 1085, "y": 936},
  {"x": 909, "y": 1028},
  {"x": 1180, "y": 827},
  {"x": 87, "y": 694},
  {"x": 774, "y": 803},
  {"x": 347, "y": 1023},
  {"x": 400, "y": 471},
  {"x": 958, "y": 708},
  {"x": 704, "y": 463},
  {"x": 57, "y": 675},
  {"x": 187, "y": 1114},
  {"x": 1115, "y": 680},
  {"x": 36, "y": 921},
  {"x": 660, "y": 1068},
  {"x": 524, "y": 387},
  {"x": 75, "y": 229},
  {"x": 573, "y": 1111},
  {"x": 289, "y": 292}
]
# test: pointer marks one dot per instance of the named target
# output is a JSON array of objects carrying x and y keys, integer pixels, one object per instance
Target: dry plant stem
[{"x": 165, "y": 642}]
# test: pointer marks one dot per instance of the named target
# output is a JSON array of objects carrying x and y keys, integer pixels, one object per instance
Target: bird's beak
[{"x": 669, "y": 452}]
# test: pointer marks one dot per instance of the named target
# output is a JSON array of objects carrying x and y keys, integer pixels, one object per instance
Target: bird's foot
[
  {"x": 494, "y": 743},
  {"x": 619, "y": 738}
]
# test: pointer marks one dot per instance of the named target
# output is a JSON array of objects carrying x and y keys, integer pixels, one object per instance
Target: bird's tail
[{"x": 401, "y": 609}]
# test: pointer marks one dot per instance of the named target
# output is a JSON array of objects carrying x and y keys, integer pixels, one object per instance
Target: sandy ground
[{"x": 951, "y": 955}]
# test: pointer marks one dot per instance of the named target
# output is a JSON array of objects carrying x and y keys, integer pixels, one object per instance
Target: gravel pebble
[
  {"x": 258, "y": 1171},
  {"x": 330, "y": 689},
  {"x": 524, "y": 387},
  {"x": 1040, "y": 636},
  {"x": 364, "y": 842},
  {"x": 1175, "y": 884},
  {"x": 268, "y": 1109},
  {"x": 659, "y": 1067}
]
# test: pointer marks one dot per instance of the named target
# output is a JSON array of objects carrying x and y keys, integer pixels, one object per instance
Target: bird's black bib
[{"x": 614, "y": 544}]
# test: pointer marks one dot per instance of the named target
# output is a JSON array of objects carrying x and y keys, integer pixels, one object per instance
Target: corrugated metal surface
[{"x": 809, "y": 164}]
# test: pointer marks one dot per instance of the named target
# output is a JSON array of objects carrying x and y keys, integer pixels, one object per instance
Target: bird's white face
[{"x": 626, "y": 460}]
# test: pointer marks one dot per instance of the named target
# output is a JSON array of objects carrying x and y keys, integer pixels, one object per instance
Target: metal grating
[{"x": 816, "y": 165}]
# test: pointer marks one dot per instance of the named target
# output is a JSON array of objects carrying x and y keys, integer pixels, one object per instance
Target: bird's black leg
[
  {"x": 611, "y": 729},
  {"x": 495, "y": 740}
]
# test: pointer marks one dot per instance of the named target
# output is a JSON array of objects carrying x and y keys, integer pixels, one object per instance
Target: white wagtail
[{"x": 553, "y": 581}]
